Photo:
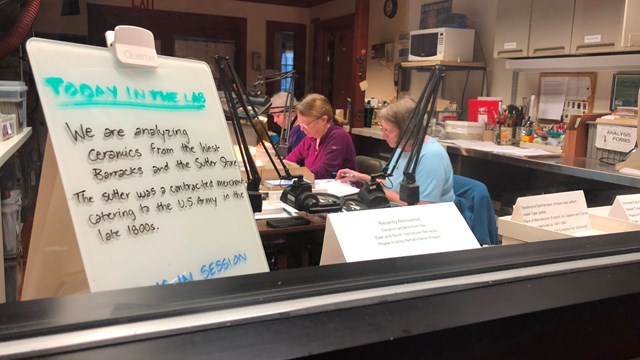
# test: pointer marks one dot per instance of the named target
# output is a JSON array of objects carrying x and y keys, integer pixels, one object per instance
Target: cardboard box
[
  {"x": 575, "y": 140},
  {"x": 517, "y": 233}
]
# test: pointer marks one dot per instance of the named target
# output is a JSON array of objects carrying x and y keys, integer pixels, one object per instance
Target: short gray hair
[
  {"x": 397, "y": 114},
  {"x": 278, "y": 101}
]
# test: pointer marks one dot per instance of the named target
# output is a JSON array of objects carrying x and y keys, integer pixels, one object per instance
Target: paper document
[
  {"x": 522, "y": 152},
  {"x": 553, "y": 91},
  {"x": 578, "y": 88},
  {"x": 335, "y": 187},
  {"x": 281, "y": 182}
]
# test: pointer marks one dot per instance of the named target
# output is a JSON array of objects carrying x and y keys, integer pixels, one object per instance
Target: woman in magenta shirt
[{"x": 327, "y": 147}]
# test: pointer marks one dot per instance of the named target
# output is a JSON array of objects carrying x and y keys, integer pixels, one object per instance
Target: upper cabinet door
[
  {"x": 512, "y": 29},
  {"x": 597, "y": 26},
  {"x": 631, "y": 27},
  {"x": 551, "y": 26}
]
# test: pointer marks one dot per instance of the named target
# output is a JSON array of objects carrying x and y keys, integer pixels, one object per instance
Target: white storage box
[
  {"x": 13, "y": 100},
  {"x": 516, "y": 233},
  {"x": 464, "y": 130}
]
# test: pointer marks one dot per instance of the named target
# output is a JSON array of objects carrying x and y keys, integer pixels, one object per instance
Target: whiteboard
[{"x": 148, "y": 168}]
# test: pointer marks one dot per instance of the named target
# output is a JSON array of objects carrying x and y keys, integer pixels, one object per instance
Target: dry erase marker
[{"x": 347, "y": 175}]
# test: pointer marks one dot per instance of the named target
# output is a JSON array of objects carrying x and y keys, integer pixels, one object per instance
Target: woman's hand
[{"x": 348, "y": 175}]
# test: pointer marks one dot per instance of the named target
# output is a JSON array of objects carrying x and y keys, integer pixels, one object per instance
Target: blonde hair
[
  {"x": 315, "y": 106},
  {"x": 398, "y": 113}
]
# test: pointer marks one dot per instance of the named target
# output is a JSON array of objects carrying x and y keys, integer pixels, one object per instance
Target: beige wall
[
  {"x": 481, "y": 14},
  {"x": 49, "y": 19},
  {"x": 382, "y": 30}
]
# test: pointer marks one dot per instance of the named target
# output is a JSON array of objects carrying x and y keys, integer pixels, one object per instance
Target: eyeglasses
[
  {"x": 387, "y": 130},
  {"x": 306, "y": 126}
]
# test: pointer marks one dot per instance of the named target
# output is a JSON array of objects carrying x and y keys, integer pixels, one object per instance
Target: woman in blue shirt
[{"x": 434, "y": 173}]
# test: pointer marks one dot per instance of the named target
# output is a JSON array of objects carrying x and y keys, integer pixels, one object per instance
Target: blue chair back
[{"x": 474, "y": 202}]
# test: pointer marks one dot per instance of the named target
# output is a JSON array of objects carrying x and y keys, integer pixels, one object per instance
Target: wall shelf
[
  {"x": 9, "y": 147},
  {"x": 577, "y": 63},
  {"x": 452, "y": 64}
]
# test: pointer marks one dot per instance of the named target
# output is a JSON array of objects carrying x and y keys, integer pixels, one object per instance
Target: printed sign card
[
  {"x": 564, "y": 212},
  {"x": 626, "y": 207},
  {"x": 395, "y": 232},
  {"x": 616, "y": 138},
  {"x": 149, "y": 173}
]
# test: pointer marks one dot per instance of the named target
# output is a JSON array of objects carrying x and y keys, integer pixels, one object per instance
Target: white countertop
[{"x": 374, "y": 131}]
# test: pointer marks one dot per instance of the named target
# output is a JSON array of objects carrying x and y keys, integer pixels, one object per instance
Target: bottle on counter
[{"x": 368, "y": 114}]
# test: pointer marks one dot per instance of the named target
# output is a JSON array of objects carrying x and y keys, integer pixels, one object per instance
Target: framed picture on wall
[
  {"x": 429, "y": 13},
  {"x": 624, "y": 90}
]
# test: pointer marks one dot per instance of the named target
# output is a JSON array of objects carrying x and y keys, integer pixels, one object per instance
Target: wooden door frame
[
  {"x": 166, "y": 25},
  {"x": 359, "y": 21},
  {"x": 322, "y": 31},
  {"x": 299, "y": 52}
]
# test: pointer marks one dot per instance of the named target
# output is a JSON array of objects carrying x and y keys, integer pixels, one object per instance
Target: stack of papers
[
  {"x": 333, "y": 187},
  {"x": 501, "y": 149},
  {"x": 283, "y": 183}
]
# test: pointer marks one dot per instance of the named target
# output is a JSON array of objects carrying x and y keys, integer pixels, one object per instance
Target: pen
[
  {"x": 287, "y": 211},
  {"x": 347, "y": 175}
]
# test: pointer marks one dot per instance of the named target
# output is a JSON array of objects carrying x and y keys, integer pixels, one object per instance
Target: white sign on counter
[
  {"x": 395, "y": 232},
  {"x": 564, "y": 212},
  {"x": 626, "y": 207},
  {"x": 616, "y": 138}
]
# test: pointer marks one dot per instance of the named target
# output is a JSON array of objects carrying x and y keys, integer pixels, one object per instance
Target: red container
[{"x": 480, "y": 107}]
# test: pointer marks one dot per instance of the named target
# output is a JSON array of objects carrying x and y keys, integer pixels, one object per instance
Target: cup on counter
[
  {"x": 506, "y": 135},
  {"x": 489, "y": 135}
]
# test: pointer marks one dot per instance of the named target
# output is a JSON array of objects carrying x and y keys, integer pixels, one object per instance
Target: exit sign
[{"x": 143, "y": 4}]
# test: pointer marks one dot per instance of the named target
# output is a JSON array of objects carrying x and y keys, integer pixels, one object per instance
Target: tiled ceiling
[{"x": 295, "y": 3}]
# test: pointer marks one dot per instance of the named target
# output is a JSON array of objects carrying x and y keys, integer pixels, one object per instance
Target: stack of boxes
[{"x": 13, "y": 108}]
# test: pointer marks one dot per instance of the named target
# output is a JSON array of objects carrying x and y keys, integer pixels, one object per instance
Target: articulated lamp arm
[
  {"x": 413, "y": 133},
  {"x": 240, "y": 106},
  {"x": 283, "y": 142}
]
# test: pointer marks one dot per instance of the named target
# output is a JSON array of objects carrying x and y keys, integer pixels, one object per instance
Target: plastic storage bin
[
  {"x": 12, "y": 278},
  {"x": 464, "y": 130},
  {"x": 11, "y": 225},
  {"x": 13, "y": 100}
]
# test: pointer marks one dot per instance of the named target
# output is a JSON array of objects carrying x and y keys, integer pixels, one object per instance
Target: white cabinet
[
  {"x": 541, "y": 28},
  {"x": 605, "y": 26},
  {"x": 551, "y": 26},
  {"x": 597, "y": 26},
  {"x": 512, "y": 29}
]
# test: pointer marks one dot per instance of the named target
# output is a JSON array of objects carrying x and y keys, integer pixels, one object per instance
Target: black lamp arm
[
  {"x": 237, "y": 97},
  {"x": 414, "y": 133},
  {"x": 283, "y": 142}
]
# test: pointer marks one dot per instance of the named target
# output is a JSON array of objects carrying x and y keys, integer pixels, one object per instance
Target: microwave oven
[{"x": 448, "y": 44}]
